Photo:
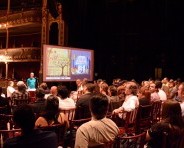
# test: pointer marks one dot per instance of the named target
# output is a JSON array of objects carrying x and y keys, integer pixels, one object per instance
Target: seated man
[
  {"x": 100, "y": 129},
  {"x": 39, "y": 105},
  {"x": 29, "y": 138}
]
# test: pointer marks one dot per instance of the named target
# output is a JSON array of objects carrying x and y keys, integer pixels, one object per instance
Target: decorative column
[
  {"x": 7, "y": 38},
  {"x": 43, "y": 36},
  {"x": 6, "y": 63},
  {"x": 60, "y": 26}
]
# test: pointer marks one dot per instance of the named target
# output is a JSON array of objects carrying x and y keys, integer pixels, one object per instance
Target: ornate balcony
[
  {"x": 23, "y": 54},
  {"x": 33, "y": 16}
]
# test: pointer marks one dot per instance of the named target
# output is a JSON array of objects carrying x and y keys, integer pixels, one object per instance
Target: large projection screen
[{"x": 67, "y": 63}]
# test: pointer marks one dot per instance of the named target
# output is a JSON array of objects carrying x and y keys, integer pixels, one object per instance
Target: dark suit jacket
[
  {"x": 82, "y": 106},
  {"x": 38, "y": 106}
]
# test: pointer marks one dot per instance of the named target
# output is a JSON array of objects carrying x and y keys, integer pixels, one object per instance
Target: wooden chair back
[
  {"x": 134, "y": 141},
  {"x": 143, "y": 118},
  {"x": 69, "y": 112},
  {"x": 4, "y": 119},
  {"x": 156, "y": 111},
  {"x": 6, "y": 134},
  {"x": 130, "y": 120}
]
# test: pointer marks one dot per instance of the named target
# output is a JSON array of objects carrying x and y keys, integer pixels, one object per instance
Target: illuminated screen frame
[{"x": 67, "y": 63}]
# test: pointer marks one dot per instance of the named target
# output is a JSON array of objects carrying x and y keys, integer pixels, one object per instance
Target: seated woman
[
  {"x": 144, "y": 96},
  {"x": 51, "y": 115},
  {"x": 171, "y": 123}
]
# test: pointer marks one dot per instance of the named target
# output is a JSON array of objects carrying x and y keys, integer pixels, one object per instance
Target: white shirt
[
  {"x": 95, "y": 132},
  {"x": 182, "y": 109},
  {"x": 162, "y": 95},
  {"x": 10, "y": 90},
  {"x": 66, "y": 103},
  {"x": 130, "y": 103}
]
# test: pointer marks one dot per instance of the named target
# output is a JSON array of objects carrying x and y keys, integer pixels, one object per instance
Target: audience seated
[
  {"x": 45, "y": 88},
  {"x": 100, "y": 129},
  {"x": 51, "y": 115},
  {"x": 161, "y": 93},
  {"x": 112, "y": 92},
  {"x": 154, "y": 92},
  {"x": 10, "y": 89},
  {"x": 29, "y": 138},
  {"x": 171, "y": 122},
  {"x": 4, "y": 103},
  {"x": 131, "y": 100},
  {"x": 39, "y": 105},
  {"x": 19, "y": 94},
  {"x": 64, "y": 101},
  {"x": 181, "y": 96},
  {"x": 82, "y": 104},
  {"x": 144, "y": 96},
  {"x": 53, "y": 91}
]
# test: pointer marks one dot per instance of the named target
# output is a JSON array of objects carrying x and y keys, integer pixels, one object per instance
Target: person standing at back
[{"x": 31, "y": 82}]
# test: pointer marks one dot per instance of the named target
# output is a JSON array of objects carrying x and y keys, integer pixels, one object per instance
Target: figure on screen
[{"x": 81, "y": 69}]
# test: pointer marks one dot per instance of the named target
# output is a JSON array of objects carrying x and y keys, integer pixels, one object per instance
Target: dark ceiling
[{"x": 130, "y": 37}]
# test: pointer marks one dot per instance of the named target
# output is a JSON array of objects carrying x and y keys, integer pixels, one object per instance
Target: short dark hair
[
  {"x": 52, "y": 108},
  {"x": 24, "y": 118},
  {"x": 63, "y": 91},
  {"x": 40, "y": 93},
  {"x": 99, "y": 105},
  {"x": 90, "y": 87}
]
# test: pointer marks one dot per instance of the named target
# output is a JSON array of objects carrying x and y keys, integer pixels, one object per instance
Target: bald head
[{"x": 54, "y": 90}]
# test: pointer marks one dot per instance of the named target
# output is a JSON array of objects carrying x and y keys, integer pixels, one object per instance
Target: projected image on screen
[
  {"x": 67, "y": 64},
  {"x": 80, "y": 62}
]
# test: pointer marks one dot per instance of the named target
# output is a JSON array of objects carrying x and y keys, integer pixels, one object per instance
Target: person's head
[
  {"x": 112, "y": 90},
  {"x": 24, "y": 118},
  {"x": 165, "y": 80},
  {"x": 44, "y": 86},
  {"x": 52, "y": 107},
  {"x": 11, "y": 83},
  {"x": 144, "y": 93},
  {"x": 171, "y": 112},
  {"x": 99, "y": 105},
  {"x": 40, "y": 93},
  {"x": 181, "y": 91},
  {"x": 63, "y": 91},
  {"x": 131, "y": 88},
  {"x": 158, "y": 84},
  {"x": 78, "y": 82},
  {"x": 153, "y": 88},
  {"x": 54, "y": 90},
  {"x": 89, "y": 87},
  {"x": 31, "y": 75},
  {"x": 104, "y": 88},
  {"x": 21, "y": 86}
]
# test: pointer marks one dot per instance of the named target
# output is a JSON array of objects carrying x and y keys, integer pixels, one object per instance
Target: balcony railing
[
  {"x": 23, "y": 54},
  {"x": 21, "y": 18}
]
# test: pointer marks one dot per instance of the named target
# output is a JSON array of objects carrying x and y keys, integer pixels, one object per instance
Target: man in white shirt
[{"x": 131, "y": 100}]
